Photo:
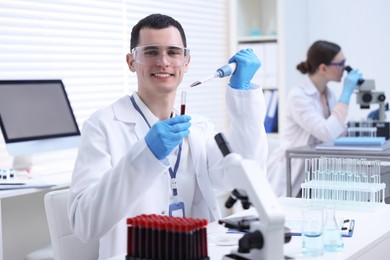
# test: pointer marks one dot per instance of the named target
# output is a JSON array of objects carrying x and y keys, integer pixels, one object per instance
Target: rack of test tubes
[
  {"x": 6, "y": 175},
  {"x": 344, "y": 182},
  {"x": 363, "y": 128},
  {"x": 165, "y": 237}
]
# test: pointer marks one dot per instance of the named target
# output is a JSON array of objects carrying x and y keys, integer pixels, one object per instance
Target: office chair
[{"x": 66, "y": 246}]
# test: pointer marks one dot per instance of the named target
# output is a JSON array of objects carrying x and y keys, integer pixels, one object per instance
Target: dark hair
[
  {"x": 320, "y": 52},
  {"x": 155, "y": 21}
]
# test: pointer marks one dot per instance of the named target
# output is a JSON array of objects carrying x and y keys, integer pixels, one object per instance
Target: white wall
[{"x": 360, "y": 27}]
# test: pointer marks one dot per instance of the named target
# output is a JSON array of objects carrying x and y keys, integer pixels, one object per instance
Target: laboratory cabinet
[
  {"x": 254, "y": 26},
  {"x": 255, "y": 19}
]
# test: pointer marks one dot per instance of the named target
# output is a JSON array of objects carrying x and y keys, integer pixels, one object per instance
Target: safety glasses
[
  {"x": 341, "y": 64},
  {"x": 152, "y": 55}
]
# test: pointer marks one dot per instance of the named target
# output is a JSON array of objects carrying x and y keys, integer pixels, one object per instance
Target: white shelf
[
  {"x": 253, "y": 26},
  {"x": 255, "y": 39}
]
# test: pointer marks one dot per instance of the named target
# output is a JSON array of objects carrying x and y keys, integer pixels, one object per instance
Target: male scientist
[{"x": 139, "y": 156}]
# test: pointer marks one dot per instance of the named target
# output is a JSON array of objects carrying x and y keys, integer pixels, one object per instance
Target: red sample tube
[
  {"x": 153, "y": 237},
  {"x": 204, "y": 238},
  {"x": 183, "y": 103},
  {"x": 130, "y": 237}
]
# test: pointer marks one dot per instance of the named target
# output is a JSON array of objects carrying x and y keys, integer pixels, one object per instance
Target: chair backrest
[{"x": 66, "y": 246}]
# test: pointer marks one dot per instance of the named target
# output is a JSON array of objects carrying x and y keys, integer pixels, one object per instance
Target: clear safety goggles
[{"x": 152, "y": 54}]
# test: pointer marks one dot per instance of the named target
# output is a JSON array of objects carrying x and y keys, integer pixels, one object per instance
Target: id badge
[{"x": 176, "y": 209}]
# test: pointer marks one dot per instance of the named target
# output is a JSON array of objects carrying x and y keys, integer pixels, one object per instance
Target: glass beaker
[{"x": 312, "y": 230}]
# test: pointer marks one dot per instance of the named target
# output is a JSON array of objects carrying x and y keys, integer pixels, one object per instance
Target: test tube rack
[
  {"x": 362, "y": 131},
  {"x": 365, "y": 128},
  {"x": 344, "y": 182},
  {"x": 166, "y": 238}
]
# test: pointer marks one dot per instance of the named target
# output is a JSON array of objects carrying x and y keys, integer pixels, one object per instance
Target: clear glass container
[{"x": 333, "y": 240}]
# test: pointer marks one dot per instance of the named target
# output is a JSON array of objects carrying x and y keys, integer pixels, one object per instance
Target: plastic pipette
[{"x": 223, "y": 71}]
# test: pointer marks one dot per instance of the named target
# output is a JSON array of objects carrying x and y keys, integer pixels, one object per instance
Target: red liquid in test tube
[
  {"x": 166, "y": 238},
  {"x": 183, "y": 103},
  {"x": 204, "y": 238},
  {"x": 135, "y": 237},
  {"x": 130, "y": 238}
]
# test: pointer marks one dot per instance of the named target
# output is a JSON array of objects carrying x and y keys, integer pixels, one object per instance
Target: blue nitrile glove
[
  {"x": 350, "y": 83},
  {"x": 374, "y": 115},
  {"x": 165, "y": 135},
  {"x": 247, "y": 65}
]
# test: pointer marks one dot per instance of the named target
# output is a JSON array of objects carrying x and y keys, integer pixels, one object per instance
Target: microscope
[
  {"x": 365, "y": 95},
  {"x": 266, "y": 235}
]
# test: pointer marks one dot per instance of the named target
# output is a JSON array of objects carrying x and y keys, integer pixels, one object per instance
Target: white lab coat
[
  {"x": 305, "y": 125},
  {"x": 115, "y": 171}
]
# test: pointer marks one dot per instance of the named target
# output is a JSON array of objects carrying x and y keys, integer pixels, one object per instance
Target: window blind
[{"x": 84, "y": 43}]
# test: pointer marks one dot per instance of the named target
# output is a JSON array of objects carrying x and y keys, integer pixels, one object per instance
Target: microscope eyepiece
[
  {"x": 222, "y": 143},
  {"x": 349, "y": 69}
]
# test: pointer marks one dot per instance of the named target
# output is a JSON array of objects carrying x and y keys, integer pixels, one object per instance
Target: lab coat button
[{"x": 163, "y": 212}]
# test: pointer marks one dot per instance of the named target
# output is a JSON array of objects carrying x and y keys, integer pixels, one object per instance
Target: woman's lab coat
[
  {"x": 305, "y": 125},
  {"x": 115, "y": 171}
]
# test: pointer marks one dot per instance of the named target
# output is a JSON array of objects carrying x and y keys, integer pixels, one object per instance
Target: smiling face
[{"x": 162, "y": 76}]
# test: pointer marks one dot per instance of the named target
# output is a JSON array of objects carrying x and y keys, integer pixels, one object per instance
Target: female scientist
[{"x": 314, "y": 115}]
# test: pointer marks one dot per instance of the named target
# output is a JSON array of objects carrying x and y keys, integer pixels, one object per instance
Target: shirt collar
[
  {"x": 152, "y": 119},
  {"x": 310, "y": 89}
]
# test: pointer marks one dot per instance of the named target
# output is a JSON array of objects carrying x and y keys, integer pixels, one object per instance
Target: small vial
[
  {"x": 11, "y": 173},
  {"x": 183, "y": 103},
  {"x": 4, "y": 174}
]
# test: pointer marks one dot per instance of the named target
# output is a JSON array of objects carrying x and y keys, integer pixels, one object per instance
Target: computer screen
[{"x": 36, "y": 116}]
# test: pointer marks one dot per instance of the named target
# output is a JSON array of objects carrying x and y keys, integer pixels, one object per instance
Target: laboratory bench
[
  {"x": 307, "y": 152},
  {"x": 370, "y": 239},
  {"x": 24, "y": 228}
]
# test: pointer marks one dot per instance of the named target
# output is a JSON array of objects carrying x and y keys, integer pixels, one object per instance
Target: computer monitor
[{"x": 36, "y": 116}]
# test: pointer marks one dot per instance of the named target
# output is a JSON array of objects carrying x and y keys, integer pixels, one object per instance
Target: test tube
[
  {"x": 307, "y": 169},
  {"x": 336, "y": 179},
  {"x": 377, "y": 171},
  {"x": 183, "y": 103},
  {"x": 314, "y": 168},
  {"x": 307, "y": 178}
]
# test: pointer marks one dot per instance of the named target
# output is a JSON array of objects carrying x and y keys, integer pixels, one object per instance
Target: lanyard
[{"x": 173, "y": 172}]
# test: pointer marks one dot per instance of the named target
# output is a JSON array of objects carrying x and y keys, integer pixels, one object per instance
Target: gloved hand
[
  {"x": 374, "y": 115},
  {"x": 247, "y": 65},
  {"x": 350, "y": 83},
  {"x": 165, "y": 135}
]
